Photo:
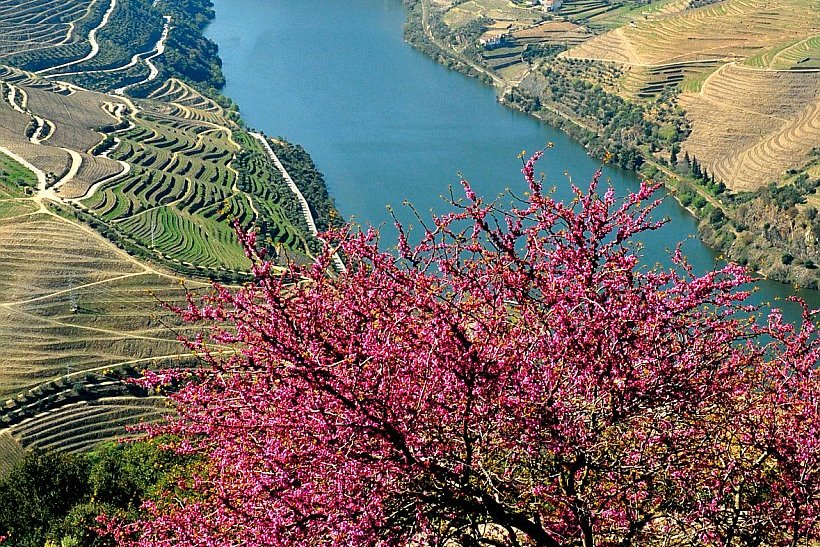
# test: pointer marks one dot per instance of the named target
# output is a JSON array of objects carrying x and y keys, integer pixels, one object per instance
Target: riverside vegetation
[{"x": 649, "y": 86}]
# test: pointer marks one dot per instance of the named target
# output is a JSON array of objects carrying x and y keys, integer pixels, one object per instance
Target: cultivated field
[
  {"x": 498, "y": 10},
  {"x": 749, "y": 76},
  {"x": 37, "y": 34},
  {"x": 80, "y": 426},
  {"x": 559, "y": 33},
  {"x": 731, "y": 30},
  {"x": 162, "y": 177},
  {"x": 182, "y": 191},
  {"x": 751, "y": 125},
  {"x": 75, "y": 313},
  {"x": 157, "y": 174},
  {"x": 37, "y": 24}
]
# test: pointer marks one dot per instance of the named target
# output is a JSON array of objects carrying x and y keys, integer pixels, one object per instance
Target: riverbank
[{"x": 748, "y": 228}]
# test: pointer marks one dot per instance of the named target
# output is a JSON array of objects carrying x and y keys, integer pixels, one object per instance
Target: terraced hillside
[
  {"x": 122, "y": 46},
  {"x": 749, "y": 73},
  {"x": 729, "y": 30},
  {"x": 77, "y": 312},
  {"x": 35, "y": 34},
  {"x": 76, "y": 315},
  {"x": 155, "y": 175},
  {"x": 106, "y": 199},
  {"x": 749, "y": 126}
]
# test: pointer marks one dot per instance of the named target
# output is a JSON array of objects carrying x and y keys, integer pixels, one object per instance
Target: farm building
[
  {"x": 495, "y": 39},
  {"x": 551, "y": 5}
]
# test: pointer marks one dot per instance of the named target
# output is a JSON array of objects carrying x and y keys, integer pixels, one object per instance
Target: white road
[
  {"x": 295, "y": 189},
  {"x": 158, "y": 50},
  {"x": 92, "y": 39}
]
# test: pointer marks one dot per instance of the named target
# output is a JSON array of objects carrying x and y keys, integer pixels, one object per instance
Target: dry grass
[
  {"x": 751, "y": 125},
  {"x": 70, "y": 304},
  {"x": 730, "y": 30},
  {"x": 71, "y": 301},
  {"x": 749, "y": 72},
  {"x": 553, "y": 33},
  {"x": 498, "y": 10},
  {"x": 75, "y": 116}
]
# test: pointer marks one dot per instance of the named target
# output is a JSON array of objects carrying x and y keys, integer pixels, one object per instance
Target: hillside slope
[
  {"x": 719, "y": 99},
  {"x": 122, "y": 173},
  {"x": 750, "y": 75}
]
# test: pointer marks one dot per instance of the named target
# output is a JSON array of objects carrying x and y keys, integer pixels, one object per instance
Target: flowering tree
[{"x": 515, "y": 379}]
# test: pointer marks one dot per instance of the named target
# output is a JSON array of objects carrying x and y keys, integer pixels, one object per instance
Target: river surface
[{"x": 385, "y": 123}]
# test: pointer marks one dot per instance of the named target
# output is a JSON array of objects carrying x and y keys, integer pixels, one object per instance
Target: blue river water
[{"x": 386, "y": 124}]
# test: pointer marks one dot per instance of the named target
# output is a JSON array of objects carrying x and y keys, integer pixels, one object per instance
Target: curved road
[
  {"x": 92, "y": 39},
  {"x": 158, "y": 50}
]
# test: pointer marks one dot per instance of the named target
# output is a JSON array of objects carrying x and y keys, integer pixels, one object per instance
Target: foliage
[
  {"x": 38, "y": 491},
  {"x": 516, "y": 378},
  {"x": 134, "y": 27},
  {"x": 38, "y": 58},
  {"x": 198, "y": 13},
  {"x": 310, "y": 182},
  {"x": 791, "y": 194},
  {"x": 55, "y": 499},
  {"x": 193, "y": 57}
]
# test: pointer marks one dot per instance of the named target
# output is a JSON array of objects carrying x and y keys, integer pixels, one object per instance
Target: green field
[
  {"x": 14, "y": 178},
  {"x": 193, "y": 173}
]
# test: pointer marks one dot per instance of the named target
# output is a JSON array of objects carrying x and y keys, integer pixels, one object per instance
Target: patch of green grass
[
  {"x": 803, "y": 54},
  {"x": 14, "y": 178},
  {"x": 693, "y": 82}
]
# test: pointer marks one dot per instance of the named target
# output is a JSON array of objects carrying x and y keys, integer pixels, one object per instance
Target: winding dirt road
[{"x": 92, "y": 39}]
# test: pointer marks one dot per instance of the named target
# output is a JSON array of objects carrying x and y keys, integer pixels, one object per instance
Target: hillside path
[
  {"x": 92, "y": 39},
  {"x": 295, "y": 189},
  {"x": 158, "y": 50}
]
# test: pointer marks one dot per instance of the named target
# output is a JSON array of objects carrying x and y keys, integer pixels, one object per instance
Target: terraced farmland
[
  {"x": 583, "y": 10},
  {"x": 558, "y": 33},
  {"x": 182, "y": 191},
  {"x": 58, "y": 148},
  {"x": 158, "y": 177},
  {"x": 77, "y": 427},
  {"x": 644, "y": 82},
  {"x": 73, "y": 310},
  {"x": 36, "y": 34},
  {"x": 749, "y": 73},
  {"x": 729, "y": 30},
  {"x": 801, "y": 55},
  {"x": 751, "y": 125},
  {"x": 498, "y": 10}
]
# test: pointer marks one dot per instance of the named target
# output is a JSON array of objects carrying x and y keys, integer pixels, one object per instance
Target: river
[{"x": 385, "y": 123}]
